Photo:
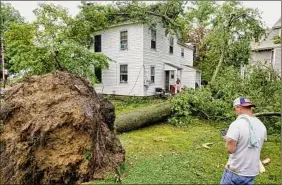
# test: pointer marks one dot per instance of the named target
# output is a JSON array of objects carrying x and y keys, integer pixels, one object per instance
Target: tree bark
[
  {"x": 268, "y": 114},
  {"x": 143, "y": 117},
  {"x": 220, "y": 60}
]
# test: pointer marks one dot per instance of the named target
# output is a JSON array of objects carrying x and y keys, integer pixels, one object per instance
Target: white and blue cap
[{"x": 244, "y": 102}]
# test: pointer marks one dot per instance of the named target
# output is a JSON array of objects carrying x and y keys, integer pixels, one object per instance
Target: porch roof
[{"x": 169, "y": 67}]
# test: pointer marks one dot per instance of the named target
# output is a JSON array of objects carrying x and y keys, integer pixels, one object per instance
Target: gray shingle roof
[
  {"x": 277, "y": 24},
  {"x": 267, "y": 42}
]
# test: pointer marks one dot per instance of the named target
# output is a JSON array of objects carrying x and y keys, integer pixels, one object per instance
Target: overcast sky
[{"x": 271, "y": 10}]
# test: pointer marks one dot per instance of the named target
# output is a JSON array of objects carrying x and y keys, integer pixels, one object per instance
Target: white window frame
[
  {"x": 123, "y": 46},
  {"x": 152, "y": 75},
  {"x": 124, "y": 73}
]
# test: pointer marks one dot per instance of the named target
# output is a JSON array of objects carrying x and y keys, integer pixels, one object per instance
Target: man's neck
[{"x": 248, "y": 113}]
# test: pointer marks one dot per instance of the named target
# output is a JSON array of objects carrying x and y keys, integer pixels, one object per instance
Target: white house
[
  {"x": 266, "y": 50},
  {"x": 144, "y": 59}
]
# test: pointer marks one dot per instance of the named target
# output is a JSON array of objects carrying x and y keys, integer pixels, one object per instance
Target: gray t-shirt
[{"x": 245, "y": 160}]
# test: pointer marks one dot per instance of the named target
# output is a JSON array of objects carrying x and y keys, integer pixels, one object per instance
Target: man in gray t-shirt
[{"x": 244, "y": 141}]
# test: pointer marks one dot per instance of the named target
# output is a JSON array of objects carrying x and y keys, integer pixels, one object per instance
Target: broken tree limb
[
  {"x": 268, "y": 114},
  {"x": 142, "y": 117}
]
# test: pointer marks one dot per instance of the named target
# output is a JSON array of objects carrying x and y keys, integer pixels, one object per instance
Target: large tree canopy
[
  {"x": 9, "y": 15},
  {"x": 228, "y": 43},
  {"x": 221, "y": 32},
  {"x": 48, "y": 44},
  {"x": 93, "y": 16}
]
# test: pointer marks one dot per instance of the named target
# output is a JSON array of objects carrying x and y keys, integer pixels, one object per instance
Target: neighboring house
[
  {"x": 266, "y": 51},
  {"x": 143, "y": 59}
]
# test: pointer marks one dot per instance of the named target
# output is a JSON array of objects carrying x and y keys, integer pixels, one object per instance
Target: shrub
[{"x": 261, "y": 85}]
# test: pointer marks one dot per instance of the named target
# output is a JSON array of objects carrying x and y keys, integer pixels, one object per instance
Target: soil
[{"x": 56, "y": 129}]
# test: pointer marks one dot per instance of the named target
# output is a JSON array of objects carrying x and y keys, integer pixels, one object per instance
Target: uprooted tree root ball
[{"x": 57, "y": 130}]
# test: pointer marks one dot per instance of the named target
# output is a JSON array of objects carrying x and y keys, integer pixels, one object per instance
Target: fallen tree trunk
[
  {"x": 143, "y": 117},
  {"x": 268, "y": 114}
]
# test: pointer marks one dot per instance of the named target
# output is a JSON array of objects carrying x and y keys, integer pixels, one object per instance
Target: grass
[{"x": 171, "y": 155}]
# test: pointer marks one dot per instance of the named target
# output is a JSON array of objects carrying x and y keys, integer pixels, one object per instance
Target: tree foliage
[
  {"x": 216, "y": 103},
  {"x": 93, "y": 16},
  {"x": 222, "y": 34},
  {"x": 277, "y": 39},
  {"x": 235, "y": 23},
  {"x": 48, "y": 44},
  {"x": 198, "y": 19},
  {"x": 9, "y": 15}
]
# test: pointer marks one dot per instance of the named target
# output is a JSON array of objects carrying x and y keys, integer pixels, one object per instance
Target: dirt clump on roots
[{"x": 56, "y": 129}]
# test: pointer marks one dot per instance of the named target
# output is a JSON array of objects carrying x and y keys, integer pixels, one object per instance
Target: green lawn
[{"x": 170, "y": 155}]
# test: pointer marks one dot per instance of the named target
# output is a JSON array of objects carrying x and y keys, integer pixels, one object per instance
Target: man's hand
[{"x": 230, "y": 144}]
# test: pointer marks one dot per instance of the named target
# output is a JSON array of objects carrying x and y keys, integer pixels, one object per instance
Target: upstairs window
[
  {"x": 182, "y": 52},
  {"x": 152, "y": 74},
  {"x": 171, "y": 45},
  {"x": 123, "y": 40},
  {"x": 97, "y": 43},
  {"x": 153, "y": 38},
  {"x": 123, "y": 73}
]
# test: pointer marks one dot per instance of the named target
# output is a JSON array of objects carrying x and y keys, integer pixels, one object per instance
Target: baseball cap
[{"x": 244, "y": 102}]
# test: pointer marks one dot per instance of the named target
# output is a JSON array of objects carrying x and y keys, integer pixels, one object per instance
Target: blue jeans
[{"x": 231, "y": 178}]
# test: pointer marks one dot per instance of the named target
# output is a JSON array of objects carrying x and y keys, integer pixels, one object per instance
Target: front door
[{"x": 166, "y": 80}]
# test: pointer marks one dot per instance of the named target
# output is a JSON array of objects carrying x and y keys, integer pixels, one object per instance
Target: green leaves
[
  {"x": 277, "y": 39},
  {"x": 9, "y": 15},
  {"x": 222, "y": 34},
  {"x": 49, "y": 44},
  {"x": 261, "y": 85}
]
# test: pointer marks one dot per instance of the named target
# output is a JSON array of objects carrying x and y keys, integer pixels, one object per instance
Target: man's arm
[{"x": 230, "y": 145}]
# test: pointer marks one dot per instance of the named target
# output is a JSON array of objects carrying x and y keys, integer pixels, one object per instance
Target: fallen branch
[{"x": 268, "y": 114}]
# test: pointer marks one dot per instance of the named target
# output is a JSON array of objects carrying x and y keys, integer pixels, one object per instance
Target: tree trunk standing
[
  {"x": 225, "y": 42},
  {"x": 1, "y": 44},
  {"x": 2, "y": 61}
]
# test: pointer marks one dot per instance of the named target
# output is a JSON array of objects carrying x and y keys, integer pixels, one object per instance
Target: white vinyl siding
[
  {"x": 161, "y": 56},
  {"x": 133, "y": 57},
  {"x": 139, "y": 58}
]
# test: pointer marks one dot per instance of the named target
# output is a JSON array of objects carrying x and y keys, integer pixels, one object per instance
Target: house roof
[
  {"x": 116, "y": 25},
  {"x": 185, "y": 45},
  {"x": 192, "y": 67},
  {"x": 277, "y": 25},
  {"x": 174, "y": 66},
  {"x": 267, "y": 42}
]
